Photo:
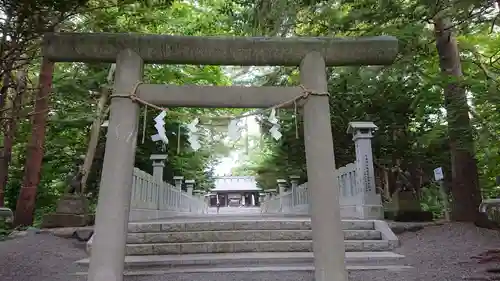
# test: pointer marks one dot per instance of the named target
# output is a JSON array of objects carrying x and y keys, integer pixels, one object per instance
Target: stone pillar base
[
  {"x": 371, "y": 212},
  {"x": 72, "y": 211},
  {"x": 66, "y": 220},
  {"x": 73, "y": 204}
]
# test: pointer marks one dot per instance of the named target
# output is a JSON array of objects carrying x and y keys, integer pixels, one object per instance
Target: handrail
[
  {"x": 354, "y": 203},
  {"x": 6, "y": 214},
  {"x": 483, "y": 207},
  {"x": 151, "y": 194}
]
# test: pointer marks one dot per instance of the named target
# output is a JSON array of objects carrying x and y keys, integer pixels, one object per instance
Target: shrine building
[{"x": 234, "y": 191}]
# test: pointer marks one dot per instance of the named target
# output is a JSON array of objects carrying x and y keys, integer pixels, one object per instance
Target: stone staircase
[{"x": 259, "y": 244}]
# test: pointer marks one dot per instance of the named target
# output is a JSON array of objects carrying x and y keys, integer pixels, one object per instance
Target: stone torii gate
[{"x": 131, "y": 51}]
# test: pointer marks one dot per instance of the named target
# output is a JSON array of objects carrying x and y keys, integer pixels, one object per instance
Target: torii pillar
[
  {"x": 131, "y": 50},
  {"x": 328, "y": 236},
  {"x": 113, "y": 206}
]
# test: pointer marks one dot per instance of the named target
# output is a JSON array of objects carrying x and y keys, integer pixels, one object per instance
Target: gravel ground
[
  {"x": 441, "y": 253},
  {"x": 39, "y": 257},
  {"x": 438, "y": 253}
]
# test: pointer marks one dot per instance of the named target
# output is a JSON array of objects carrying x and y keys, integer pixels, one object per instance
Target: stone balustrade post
[
  {"x": 294, "y": 182},
  {"x": 281, "y": 186},
  {"x": 158, "y": 165},
  {"x": 178, "y": 182},
  {"x": 281, "y": 190},
  {"x": 189, "y": 191},
  {"x": 190, "y": 186},
  {"x": 371, "y": 202},
  {"x": 178, "y": 185}
]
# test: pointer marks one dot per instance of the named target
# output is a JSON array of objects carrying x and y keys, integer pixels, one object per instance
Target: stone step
[
  {"x": 249, "y": 262},
  {"x": 248, "y": 246},
  {"x": 239, "y": 224},
  {"x": 241, "y": 235},
  {"x": 226, "y": 273},
  {"x": 250, "y": 259}
]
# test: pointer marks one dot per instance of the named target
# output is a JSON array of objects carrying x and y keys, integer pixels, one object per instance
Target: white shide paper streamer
[
  {"x": 160, "y": 128},
  {"x": 193, "y": 137}
]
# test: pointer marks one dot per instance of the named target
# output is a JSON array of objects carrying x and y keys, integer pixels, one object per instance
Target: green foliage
[
  {"x": 5, "y": 230},
  {"x": 76, "y": 87},
  {"x": 404, "y": 100},
  {"x": 431, "y": 200}
]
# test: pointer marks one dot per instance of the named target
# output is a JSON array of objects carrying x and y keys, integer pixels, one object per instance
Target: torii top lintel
[{"x": 166, "y": 49}]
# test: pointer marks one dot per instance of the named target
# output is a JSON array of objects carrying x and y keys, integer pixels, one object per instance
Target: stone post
[
  {"x": 294, "y": 182},
  {"x": 281, "y": 191},
  {"x": 281, "y": 186},
  {"x": 108, "y": 249},
  {"x": 178, "y": 182},
  {"x": 189, "y": 191},
  {"x": 267, "y": 196},
  {"x": 371, "y": 203},
  {"x": 328, "y": 238},
  {"x": 158, "y": 165},
  {"x": 190, "y": 186}
]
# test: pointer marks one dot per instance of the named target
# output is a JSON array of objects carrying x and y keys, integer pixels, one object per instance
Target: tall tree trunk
[
  {"x": 94, "y": 136},
  {"x": 465, "y": 188},
  {"x": 27, "y": 195},
  {"x": 4, "y": 120},
  {"x": 10, "y": 131},
  {"x": 96, "y": 127},
  {"x": 6, "y": 84}
]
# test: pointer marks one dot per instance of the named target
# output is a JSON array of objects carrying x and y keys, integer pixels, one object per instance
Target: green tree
[{"x": 405, "y": 99}]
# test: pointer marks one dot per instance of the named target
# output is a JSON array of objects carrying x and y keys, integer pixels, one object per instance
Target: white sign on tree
[{"x": 438, "y": 174}]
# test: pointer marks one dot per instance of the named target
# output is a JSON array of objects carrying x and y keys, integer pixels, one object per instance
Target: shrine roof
[{"x": 235, "y": 183}]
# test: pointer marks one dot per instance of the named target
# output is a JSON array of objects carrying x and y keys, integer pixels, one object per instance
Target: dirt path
[{"x": 438, "y": 253}]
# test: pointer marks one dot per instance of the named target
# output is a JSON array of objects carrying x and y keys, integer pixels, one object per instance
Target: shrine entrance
[{"x": 131, "y": 51}]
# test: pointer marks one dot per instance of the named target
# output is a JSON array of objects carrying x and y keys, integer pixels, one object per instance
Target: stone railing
[
  {"x": 152, "y": 198},
  {"x": 294, "y": 201},
  {"x": 272, "y": 204},
  {"x": 297, "y": 199},
  {"x": 357, "y": 194},
  {"x": 349, "y": 196},
  {"x": 6, "y": 215}
]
